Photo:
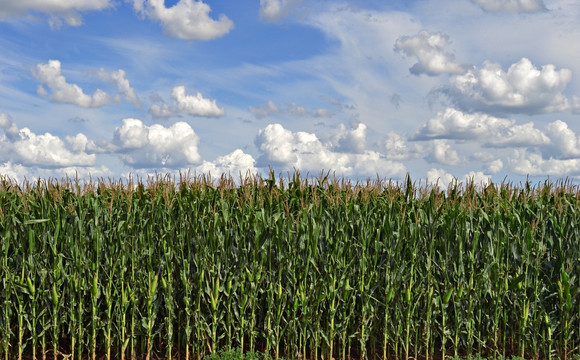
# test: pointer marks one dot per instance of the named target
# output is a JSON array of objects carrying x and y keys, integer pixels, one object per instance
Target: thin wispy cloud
[
  {"x": 57, "y": 11},
  {"x": 511, "y": 6}
]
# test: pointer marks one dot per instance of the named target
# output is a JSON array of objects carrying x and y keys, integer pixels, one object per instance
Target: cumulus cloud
[
  {"x": 511, "y": 6},
  {"x": 274, "y": 10},
  {"x": 523, "y": 88},
  {"x": 117, "y": 78},
  {"x": 492, "y": 164},
  {"x": 280, "y": 146},
  {"x": 496, "y": 132},
  {"x": 69, "y": 11},
  {"x": 15, "y": 172},
  {"x": 564, "y": 140},
  {"x": 346, "y": 140},
  {"x": 186, "y": 20},
  {"x": 50, "y": 75},
  {"x": 495, "y": 166},
  {"x": 478, "y": 178},
  {"x": 195, "y": 105},
  {"x": 289, "y": 150},
  {"x": 429, "y": 50},
  {"x": 532, "y": 163},
  {"x": 455, "y": 124},
  {"x": 372, "y": 163},
  {"x": 183, "y": 103},
  {"x": 443, "y": 154},
  {"x": 10, "y": 129},
  {"x": 440, "y": 178},
  {"x": 22, "y": 146},
  {"x": 80, "y": 143},
  {"x": 519, "y": 136},
  {"x": 396, "y": 148},
  {"x": 235, "y": 164},
  {"x": 143, "y": 146}
]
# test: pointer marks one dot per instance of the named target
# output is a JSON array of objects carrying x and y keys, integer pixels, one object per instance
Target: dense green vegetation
[
  {"x": 290, "y": 267},
  {"x": 237, "y": 354}
]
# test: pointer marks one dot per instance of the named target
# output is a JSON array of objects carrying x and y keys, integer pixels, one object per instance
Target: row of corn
[{"x": 314, "y": 268}]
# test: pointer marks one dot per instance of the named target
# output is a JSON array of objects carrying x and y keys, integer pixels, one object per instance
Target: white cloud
[
  {"x": 58, "y": 10},
  {"x": 186, "y": 20},
  {"x": 118, "y": 79},
  {"x": 235, "y": 164},
  {"x": 264, "y": 110},
  {"x": 483, "y": 156},
  {"x": 182, "y": 103},
  {"x": 440, "y": 178},
  {"x": 495, "y": 166},
  {"x": 496, "y": 132},
  {"x": 50, "y": 75},
  {"x": 195, "y": 105},
  {"x": 477, "y": 178},
  {"x": 14, "y": 172},
  {"x": 22, "y": 146},
  {"x": 525, "y": 163},
  {"x": 287, "y": 150},
  {"x": 429, "y": 50},
  {"x": 283, "y": 147},
  {"x": 492, "y": 163},
  {"x": 139, "y": 5},
  {"x": 143, "y": 146},
  {"x": 443, "y": 154},
  {"x": 346, "y": 140},
  {"x": 396, "y": 148},
  {"x": 274, "y": 10},
  {"x": 10, "y": 129},
  {"x": 519, "y": 136},
  {"x": 47, "y": 150},
  {"x": 80, "y": 143},
  {"x": 512, "y": 6},
  {"x": 564, "y": 140},
  {"x": 455, "y": 124},
  {"x": 372, "y": 163},
  {"x": 522, "y": 89}
]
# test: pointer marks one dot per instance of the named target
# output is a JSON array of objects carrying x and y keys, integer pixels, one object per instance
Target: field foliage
[{"x": 289, "y": 266}]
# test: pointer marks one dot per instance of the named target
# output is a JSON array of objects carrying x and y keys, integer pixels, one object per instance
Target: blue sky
[{"x": 439, "y": 89}]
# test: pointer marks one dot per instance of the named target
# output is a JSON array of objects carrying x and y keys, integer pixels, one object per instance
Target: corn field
[{"x": 299, "y": 268}]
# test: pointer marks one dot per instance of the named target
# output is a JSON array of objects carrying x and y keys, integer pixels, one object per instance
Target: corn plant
[{"x": 293, "y": 266}]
